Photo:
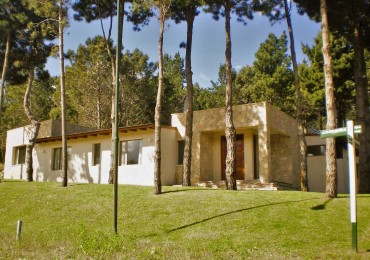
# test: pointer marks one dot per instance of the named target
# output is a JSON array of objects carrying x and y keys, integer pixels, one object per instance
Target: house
[{"x": 266, "y": 150}]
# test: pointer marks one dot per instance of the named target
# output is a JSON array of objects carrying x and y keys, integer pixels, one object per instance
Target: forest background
[{"x": 88, "y": 76}]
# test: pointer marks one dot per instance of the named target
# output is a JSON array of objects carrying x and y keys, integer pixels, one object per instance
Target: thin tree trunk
[
  {"x": 35, "y": 125},
  {"x": 98, "y": 107},
  {"x": 113, "y": 111},
  {"x": 113, "y": 74},
  {"x": 112, "y": 118},
  {"x": 230, "y": 170},
  {"x": 362, "y": 101},
  {"x": 189, "y": 99},
  {"x": 3, "y": 75},
  {"x": 63, "y": 97},
  {"x": 158, "y": 107},
  {"x": 331, "y": 167},
  {"x": 297, "y": 86}
]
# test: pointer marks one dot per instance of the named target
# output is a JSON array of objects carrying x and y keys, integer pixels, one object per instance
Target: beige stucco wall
[
  {"x": 317, "y": 174},
  {"x": 80, "y": 159},
  {"x": 169, "y": 156},
  {"x": 317, "y": 169},
  {"x": 287, "y": 149},
  {"x": 281, "y": 159}
]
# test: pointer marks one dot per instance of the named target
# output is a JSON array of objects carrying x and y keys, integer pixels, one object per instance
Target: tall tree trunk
[
  {"x": 331, "y": 167},
  {"x": 112, "y": 118},
  {"x": 230, "y": 170},
  {"x": 3, "y": 75},
  {"x": 158, "y": 106},
  {"x": 113, "y": 111},
  {"x": 189, "y": 98},
  {"x": 298, "y": 97},
  {"x": 35, "y": 125},
  {"x": 63, "y": 97},
  {"x": 362, "y": 101}
]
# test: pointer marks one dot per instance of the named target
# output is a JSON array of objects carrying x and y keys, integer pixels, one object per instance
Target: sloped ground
[{"x": 182, "y": 223}]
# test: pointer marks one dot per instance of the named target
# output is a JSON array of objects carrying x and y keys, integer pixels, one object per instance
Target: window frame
[
  {"x": 53, "y": 158},
  {"x": 123, "y": 153},
  {"x": 16, "y": 152},
  {"x": 316, "y": 150},
  {"x": 96, "y": 160},
  {"x": 56, "y": 162}
]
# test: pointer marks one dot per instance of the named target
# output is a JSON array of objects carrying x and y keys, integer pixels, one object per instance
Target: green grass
[{"x": 183, "y": 223}]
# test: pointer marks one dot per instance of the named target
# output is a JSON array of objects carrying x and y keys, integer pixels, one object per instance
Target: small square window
[
  {"x": 316, "y": 150},
  {"x": 19, "y": 155},
  {"x": 131, "y": 152}
]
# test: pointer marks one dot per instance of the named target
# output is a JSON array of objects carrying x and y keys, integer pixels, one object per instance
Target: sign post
[
  {"x": 352, "y": 181},
  {"x": 350, "y": 130}
]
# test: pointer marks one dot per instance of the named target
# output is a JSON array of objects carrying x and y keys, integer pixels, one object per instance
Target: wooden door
[{"x": 239, "y": 142}]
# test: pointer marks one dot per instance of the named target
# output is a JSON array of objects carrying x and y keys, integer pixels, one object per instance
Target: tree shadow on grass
[
  {"x": 229, "y": 213},
  {"x": 321, "y": 206}
]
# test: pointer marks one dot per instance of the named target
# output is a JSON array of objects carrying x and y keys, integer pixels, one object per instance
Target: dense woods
[{"x": 151, "y": 90}]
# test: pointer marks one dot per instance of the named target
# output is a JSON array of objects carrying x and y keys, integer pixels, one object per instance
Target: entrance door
[{"x": 239, "y": 142}]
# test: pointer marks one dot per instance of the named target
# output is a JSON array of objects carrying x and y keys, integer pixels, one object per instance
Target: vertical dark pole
[{"x": 118, "y": 61}]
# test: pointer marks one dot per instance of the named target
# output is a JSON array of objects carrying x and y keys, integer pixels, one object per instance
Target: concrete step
[{"x": 241, "y": 185}]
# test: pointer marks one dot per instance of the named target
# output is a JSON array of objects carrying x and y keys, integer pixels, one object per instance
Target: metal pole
[
  {"x": 118, "y": 61},
  {"x": 19, "y": 229},
  {"x": 352, "y": 181}
]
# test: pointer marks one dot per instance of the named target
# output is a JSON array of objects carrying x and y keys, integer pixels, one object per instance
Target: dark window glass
[
  {"x": 20, "y": 155},
  {"x": 180, "y": 152},
  {"x": 96, "y": 154},
  {"x": 57, "y": 159},
  {"x": 316, "y": 150}
]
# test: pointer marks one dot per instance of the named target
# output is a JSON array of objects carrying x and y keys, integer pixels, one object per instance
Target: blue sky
[{"x": 208, "y": 41}]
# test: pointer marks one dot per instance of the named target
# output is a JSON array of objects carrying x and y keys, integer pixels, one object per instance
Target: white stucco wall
[
  {"x": 15, "y": 138},
  {"x": 81, "y": 168}
]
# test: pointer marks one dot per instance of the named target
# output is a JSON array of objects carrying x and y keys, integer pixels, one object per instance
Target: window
[
  {"x": 131, "y": 152},
  {"x": 57, "y": 159},
  {"x": 180, "y": 152},
  {"x": 19, "y": 155},
  {"x": 96, "y": 154},
  {"x": 316, "y": 150}
]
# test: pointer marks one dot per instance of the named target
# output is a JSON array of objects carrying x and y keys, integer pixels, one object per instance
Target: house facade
[{"x": 266, "y": 150}]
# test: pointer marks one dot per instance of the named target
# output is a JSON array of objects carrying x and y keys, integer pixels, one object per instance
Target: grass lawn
[{"x": 182, "y": 223}]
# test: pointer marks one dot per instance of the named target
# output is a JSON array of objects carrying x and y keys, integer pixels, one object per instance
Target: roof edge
[{"x": 126, "y": 129}]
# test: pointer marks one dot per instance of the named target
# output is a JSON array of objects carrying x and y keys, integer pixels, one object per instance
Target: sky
[{"x": 208, "y": 41}]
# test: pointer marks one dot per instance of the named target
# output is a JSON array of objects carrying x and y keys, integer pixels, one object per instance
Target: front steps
[{"x": 247, "y": 185}]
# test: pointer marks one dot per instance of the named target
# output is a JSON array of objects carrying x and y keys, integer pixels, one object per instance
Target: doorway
[{"x": 239, "y": 143}]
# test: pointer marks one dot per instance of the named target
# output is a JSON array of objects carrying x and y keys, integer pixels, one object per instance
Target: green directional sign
[{"x": 339, "y": 132}]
